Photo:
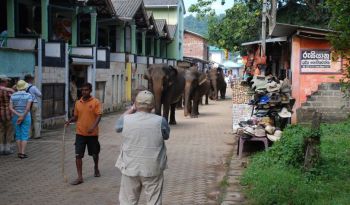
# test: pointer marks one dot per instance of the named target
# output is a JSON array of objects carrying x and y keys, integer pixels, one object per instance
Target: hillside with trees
[{"x": 197, "y": 25}]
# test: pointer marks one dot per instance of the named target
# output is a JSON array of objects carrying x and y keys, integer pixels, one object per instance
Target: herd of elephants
[{"x": 183, "y": 86}]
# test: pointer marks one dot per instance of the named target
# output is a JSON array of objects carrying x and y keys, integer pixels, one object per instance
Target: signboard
[
  {"x": 240, "y": 112},
  {"x": 317, "y": 61}
]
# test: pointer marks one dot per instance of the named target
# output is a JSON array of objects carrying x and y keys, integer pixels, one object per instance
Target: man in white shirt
[{"x": 35, "y": 109}]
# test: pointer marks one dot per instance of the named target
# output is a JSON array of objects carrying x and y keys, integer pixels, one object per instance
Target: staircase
[{"x": 328, "y": 100}]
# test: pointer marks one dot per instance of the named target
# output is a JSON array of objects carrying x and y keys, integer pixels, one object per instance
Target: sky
[{"x": 219, "y": 9}]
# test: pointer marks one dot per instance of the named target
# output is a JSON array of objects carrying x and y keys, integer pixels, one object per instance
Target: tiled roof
[
  {"x": 126, "y": 8},
  {"x": 172, "y": 30},
  {"x": 160, "y": 23},
  {"x": 160, "y": 2}
]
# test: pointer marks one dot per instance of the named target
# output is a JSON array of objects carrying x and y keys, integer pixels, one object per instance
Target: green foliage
[
  {"x": 340, "y": 22},
  {"x": 276, "y": 177},
  {"x": 197, "y": 25},
  {"x": 240, "y": 24}
]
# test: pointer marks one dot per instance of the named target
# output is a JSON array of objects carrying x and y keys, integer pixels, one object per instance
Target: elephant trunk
[
  {"x": 215, "y": 87},
  {"x": 157, "y": 91},
  {"x": 187, "y": 98}
]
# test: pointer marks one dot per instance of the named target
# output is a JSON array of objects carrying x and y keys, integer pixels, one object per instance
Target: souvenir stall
[{"x": 271, "y": 109}]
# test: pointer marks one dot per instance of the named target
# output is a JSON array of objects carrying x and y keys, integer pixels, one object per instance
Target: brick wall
[
  {"x": 329, "y": 100},
  {"x": 195, "y": 46}
]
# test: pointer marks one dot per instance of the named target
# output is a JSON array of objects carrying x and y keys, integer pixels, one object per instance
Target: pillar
[
  {"x": 143, "y": 43},
  {"x": 93, "y": 28},
  {"x": 133, "y": 38},
  {"x": 121, "y": 34},
  {"x": 10, "y": 18},
  {"x": 152, "y": 46},
  {"x": 44, "y": 20},
  {"x": 75, "y": 28}
]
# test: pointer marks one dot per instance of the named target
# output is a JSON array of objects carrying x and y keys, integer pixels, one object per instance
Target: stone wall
[{"x": 329, "y": 100}]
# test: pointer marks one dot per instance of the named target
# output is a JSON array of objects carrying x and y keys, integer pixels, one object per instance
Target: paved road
[{"x": 197, "y": 151}]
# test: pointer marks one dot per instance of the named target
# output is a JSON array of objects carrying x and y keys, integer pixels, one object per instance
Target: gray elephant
[
  {"x": 217, "y": 83},
  {"x": 167, "y": 85},
  {"x": 197, "y": 84}
]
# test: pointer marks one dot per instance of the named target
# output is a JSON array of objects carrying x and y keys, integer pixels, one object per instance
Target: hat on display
[
  {"x": 261, "y": 113},
  {"x": 258, "y": 82},
  {"x": 249, "y": 131},
  {"x": 273, "y": 87},
  {"x": 274, "y": 97},
  {"x": 285, "y": 86},
  {"x": 266, "y": 121},
  {"x": 22, "y": 85},
  {"x": 276, "y": 136},
  {"x": 270, "y": 129},
  {"x": 285, "y": 98},
  {"x": 284, "y": 113},
  {"x": 260, "y": 132},
  {"x": 264, "y": 100}
]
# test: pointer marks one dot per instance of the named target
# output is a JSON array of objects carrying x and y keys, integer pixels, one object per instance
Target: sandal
[
  {"x": 24, "y": 156},
  {"x": 77, "y": 182}
]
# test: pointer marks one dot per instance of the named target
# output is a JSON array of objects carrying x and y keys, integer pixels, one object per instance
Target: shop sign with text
[{"x": 315, "y": 61}]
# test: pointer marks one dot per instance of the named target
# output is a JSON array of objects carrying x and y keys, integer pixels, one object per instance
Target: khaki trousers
[
  {"x": 6, "y": 132},
  {"x": 130, "y": 189},
  {"x": 36, "y": 121}
]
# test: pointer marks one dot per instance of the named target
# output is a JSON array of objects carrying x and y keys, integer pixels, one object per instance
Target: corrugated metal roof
[
  {"x": 126, "y": 8},
  {"x": 172, "y": 30},
  {"x": 160, "y": 23},
  {"x": 160, "y": 2}
]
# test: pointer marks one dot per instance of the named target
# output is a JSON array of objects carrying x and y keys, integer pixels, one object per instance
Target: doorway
[{"x": 78, "y": 75}]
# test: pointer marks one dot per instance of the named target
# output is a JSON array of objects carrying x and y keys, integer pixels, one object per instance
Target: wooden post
[{"x": 312, "y": 143}]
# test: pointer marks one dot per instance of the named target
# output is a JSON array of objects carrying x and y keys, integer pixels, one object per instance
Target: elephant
[
  {"x": 196, "y": 85},
  {"x": 167, "y": 85},
  {"x": 217, "y": 83}
]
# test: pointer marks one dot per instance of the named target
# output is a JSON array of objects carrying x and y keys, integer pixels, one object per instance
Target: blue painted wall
[{"x": 16, "y": 63}]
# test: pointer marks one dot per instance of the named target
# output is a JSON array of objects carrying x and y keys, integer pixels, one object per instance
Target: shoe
[{"x": 77, "y": 182}]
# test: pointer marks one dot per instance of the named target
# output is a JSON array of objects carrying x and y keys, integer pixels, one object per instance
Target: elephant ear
[{"x": 172, "y": 75}]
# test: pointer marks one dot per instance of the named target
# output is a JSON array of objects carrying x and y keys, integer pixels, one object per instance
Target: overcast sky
[{"x": 219, "y": 9}]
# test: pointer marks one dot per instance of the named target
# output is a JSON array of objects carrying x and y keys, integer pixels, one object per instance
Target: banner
[{"x": 316, "y": 61}]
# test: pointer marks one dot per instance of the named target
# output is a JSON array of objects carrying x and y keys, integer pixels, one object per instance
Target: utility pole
[{"x": 263, "y": 29}]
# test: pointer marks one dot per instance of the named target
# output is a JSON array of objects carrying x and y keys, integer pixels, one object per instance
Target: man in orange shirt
[{"x": 87, "y": 114}]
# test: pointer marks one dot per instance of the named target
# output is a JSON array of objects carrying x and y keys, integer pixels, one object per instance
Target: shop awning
[
  {"x": 269, "y": 40},
  {"x": 282, "y": 29}
]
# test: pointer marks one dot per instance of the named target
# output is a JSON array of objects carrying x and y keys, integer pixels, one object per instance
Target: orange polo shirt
[{"x": 87, "y": 112}]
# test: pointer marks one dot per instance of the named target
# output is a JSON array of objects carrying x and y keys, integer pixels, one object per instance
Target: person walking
[
  {"x": 35, "y": 108},
  {"x": 87, "y": 115},
  {"x": 6, "y": 128},
  {"x": 143, "y": 157},
  {"x": 20, "y": 103}
]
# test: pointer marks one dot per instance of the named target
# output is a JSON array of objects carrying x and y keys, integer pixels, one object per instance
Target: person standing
[
  {"x": 35, "y": 108},
  {"x": 20, "y": 103},
  {"x": 87, "y": 115},
  {"x": 6, "y": 128},
  {"x": 142, "y": 158}
]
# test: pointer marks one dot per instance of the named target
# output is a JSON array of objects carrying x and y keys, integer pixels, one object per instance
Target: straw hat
[
  {"x": 270, "y": 129},
  {"x": 273, "y": 87},
  {"x": 260, "y": 132},
  {"x": 276, "y": 136},
  {"x": 21, "y": 85},
  {"x": 284, "y": 113}
]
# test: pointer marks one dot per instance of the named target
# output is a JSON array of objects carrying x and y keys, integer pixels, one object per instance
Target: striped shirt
[
  {"x": 20, "y": 100},
  {"x": 5, "y": 113}
]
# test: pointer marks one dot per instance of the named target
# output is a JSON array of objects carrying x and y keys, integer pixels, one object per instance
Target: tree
[
  {"x": 242, "y": 22},
  {"x": 339, "y": 22}
]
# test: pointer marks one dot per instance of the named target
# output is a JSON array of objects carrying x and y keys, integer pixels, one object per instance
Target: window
[
  {"x": 84, "y": 29},
  {"x": 60, "y": 27},
  {"x": 128, "y": 39},
  {"x": 148, "y": 46},
  {"x": 100, "y": 91},
  {"x": 139, "y": 42},
  {"x": 112, "y": 39},
  {"x": 3, "y": 16},
  {"x": 103, "y": 38},
  {"x": 53, "y": 100},
  {"x": 28, "y": 18}
]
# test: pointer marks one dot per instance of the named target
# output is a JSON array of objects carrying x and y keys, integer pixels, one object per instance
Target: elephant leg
[
  {"x": 223, "y": 92},
  {"x": 172, "y": 114},
  {"x": 179, "y": 104},
  {"x": 207, "y": 99}
]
